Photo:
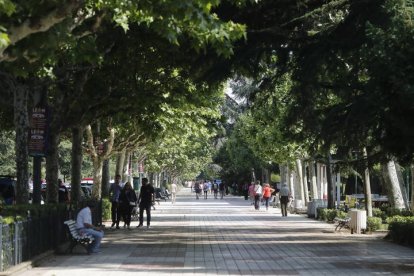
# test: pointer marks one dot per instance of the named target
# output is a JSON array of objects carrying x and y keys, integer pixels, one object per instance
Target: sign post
[{"x": 38, "y": 132}]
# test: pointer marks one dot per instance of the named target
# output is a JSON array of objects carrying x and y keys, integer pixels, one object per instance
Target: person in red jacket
[{"x": 267, "y": 194}]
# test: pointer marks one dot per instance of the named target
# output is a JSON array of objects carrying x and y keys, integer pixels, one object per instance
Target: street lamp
[
  {"x": 253, "y": 176},
  {"x": 355, "y": 172}
]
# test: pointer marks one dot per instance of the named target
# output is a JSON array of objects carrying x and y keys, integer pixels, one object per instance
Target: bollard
[{"x": 358, "y": 220}]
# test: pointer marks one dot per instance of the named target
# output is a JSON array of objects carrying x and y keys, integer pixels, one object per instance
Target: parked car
[
  {"x": 86, "y": 191},
  {"x": 42, "y": 201}
]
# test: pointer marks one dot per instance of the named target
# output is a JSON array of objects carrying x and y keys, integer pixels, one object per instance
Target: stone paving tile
[{"x": 229, "y": 237}]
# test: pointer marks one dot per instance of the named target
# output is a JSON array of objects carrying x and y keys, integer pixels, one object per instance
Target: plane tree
[{"x": 34, "y": 38}]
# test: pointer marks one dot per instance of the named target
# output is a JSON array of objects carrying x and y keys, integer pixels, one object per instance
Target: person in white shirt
[
  {"x": 257, "y": 195},
  {"x": 173, "y": 192},
  {"x": 85, "y": 227}
]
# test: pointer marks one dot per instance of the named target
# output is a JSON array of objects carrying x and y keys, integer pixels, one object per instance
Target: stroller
[{"x": 135, "y": 213}]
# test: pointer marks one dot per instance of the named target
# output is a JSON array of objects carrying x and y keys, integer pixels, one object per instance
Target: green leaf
[
  {"x": 4, "y": 40},
  {"x": 7, "y": 7}
]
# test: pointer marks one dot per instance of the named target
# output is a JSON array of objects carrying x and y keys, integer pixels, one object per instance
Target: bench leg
[
  {"x": 86, "y": 246},
  {"x": 71, "y": 246}
]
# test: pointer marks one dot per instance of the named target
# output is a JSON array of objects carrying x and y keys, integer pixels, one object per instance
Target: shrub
[
  {"x": 391, "y": 212},
  {"x": 330, "y": 214},
  {"x": 106, "y": 209},
  {"x": 374, "y": 223},
  {"x": 341, "y": 214},
  {"x": 401, "y": 229},
  {"x": 406, "y": 213},
  {"x": 322, "y": 213},
  {"x": 24, "y": 210},
  {"x": 376, "y": 212}
]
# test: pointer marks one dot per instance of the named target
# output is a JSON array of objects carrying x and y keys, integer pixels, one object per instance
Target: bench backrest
[{"x": 74, "y": 231}]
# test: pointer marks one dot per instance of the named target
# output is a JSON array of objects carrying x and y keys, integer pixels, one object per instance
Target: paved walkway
[{"x": 228, "y": 237}]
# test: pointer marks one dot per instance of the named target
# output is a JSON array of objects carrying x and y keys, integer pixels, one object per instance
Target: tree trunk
[
  {"x": 390, "y": 175},
  {"x": 314, "y": 183},
  {"x": 324, "y": 184},
  {"x": 97, "y": 178},
  {"x": 125, "y": 167},
  {"x": 331, "y": 184},
  {"x": 265, "y": 175},
  {"x": 338, "y": 189},
  {"x": 120, "y": 162},
  {"x": 52, "y": 166},
  {"x": 305, "y": 183},
  {"x": 299, "y": 186},
  {"x": 282, "y": 170},
  {"x": 402, "y": 187},
  {"x": 291, "y": 183},
  {"x": 106, "y": 178},
  {"x": 367, "y": 185},
  {"x": 319, "y": 180},
  {"x": 21, "y": 123},
  {"x": 76, "y": 162},
  {"x": 97, "y": 159},
  {"x": 412, "y": 187}
]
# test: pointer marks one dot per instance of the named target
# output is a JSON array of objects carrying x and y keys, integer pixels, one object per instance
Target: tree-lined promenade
[
  {"x": 323, "y": 97},
  {"x": 229, "y": 237}
]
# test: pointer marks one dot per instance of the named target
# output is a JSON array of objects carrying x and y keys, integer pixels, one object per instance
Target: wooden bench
[
  {"x": 76, "y": 238},
  {"x": 341, "y": 223}
]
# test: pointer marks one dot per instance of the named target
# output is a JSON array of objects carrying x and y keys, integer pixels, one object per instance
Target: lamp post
[
  {"x": 253, "y": 176},
  {"x": 356, "y": 176},
  {"x": 356, "y": 183}
]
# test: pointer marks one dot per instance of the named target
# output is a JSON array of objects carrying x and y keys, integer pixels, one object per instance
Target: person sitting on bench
[{"x": 85, "y": 226}]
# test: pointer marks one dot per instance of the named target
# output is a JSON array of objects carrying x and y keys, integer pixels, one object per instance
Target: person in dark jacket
[
  {"x": 128, "y": 200},
  {"x": 114, "y": 193},
  {"x": 145, "y": 199},
  {"x": 63, "y": 192}
]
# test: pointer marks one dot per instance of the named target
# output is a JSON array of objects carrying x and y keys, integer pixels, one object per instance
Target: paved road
[{"x": 228, "y": 237}]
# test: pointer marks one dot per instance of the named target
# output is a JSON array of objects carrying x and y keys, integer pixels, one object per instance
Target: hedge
[
  {"x": 374, "y": 223},
  {"x": 401, "y": 229},
  {"x": 330, "y": 214}
]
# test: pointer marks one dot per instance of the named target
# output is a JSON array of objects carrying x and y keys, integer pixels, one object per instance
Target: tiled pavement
[{"x": 228, "y": 237}]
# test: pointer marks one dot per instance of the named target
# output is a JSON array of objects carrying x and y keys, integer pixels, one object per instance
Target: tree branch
[{"x": 28, "y": 27}]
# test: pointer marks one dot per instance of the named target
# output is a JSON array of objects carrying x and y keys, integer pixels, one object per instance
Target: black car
[{"x": 7, "y": 188}]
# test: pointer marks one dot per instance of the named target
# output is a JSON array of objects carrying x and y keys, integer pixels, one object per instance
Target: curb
[{"x": 27, "y": 264}]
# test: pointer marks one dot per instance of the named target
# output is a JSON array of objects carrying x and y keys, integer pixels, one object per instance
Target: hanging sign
[{"x": 38, "y": 132}]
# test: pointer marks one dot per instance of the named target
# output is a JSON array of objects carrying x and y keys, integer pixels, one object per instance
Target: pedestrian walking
[
  {"x": 222, "y": 189},
  {"x": 173, "y": 192},
  {"x": 85, "y": 227},
  {"x": 215, "y": 189},
  {"x": 267, "y": 194},
  {"x": 251, "y": 193},
  {"x": 128, "y": 200},
  {"x": 284, "y": 199},
  {"x": 197, "y": 189},
  {"x": 257, "y": 195},
  {"x": 145, "y": 199},
  {"x": 246, "y": 191},
  {"x": 64, "y": 196},
  {"x": 205, "y": 189},
  {"x": 114, "y": 193}
]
